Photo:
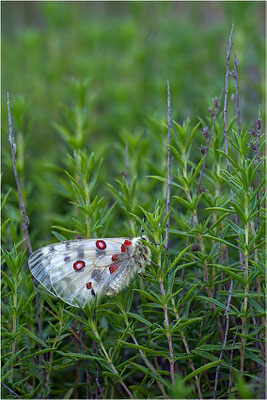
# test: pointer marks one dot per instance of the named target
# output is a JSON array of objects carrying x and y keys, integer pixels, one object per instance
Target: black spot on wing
[
  {"x": 100, "y": 253},
  {"x": 95, "y": 274},
  {"x": 80, "y": 253}
]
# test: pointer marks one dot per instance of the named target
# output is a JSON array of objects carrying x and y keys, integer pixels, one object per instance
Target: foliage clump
[{"x": 194, "y": 326}]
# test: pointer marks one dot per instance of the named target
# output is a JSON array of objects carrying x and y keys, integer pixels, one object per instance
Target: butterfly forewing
[{"x": 79, "y": 269}]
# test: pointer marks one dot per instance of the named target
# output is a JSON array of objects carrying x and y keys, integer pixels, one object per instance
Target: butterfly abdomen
[{"x": 137, "y": 256}]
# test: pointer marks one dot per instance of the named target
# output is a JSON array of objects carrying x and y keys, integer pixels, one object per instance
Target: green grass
[{"x": 88, "y": 91}]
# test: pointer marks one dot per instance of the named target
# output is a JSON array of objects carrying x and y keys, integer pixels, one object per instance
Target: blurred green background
[
  {"x": 130, "y": 49},
  {"x": 127, "y": 51}
]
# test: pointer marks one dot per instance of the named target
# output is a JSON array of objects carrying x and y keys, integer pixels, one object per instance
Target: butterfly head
[{"x": 142, "y": 253}]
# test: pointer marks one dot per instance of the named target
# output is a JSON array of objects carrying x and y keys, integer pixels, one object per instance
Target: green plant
[{"x": 195, "y": 323}]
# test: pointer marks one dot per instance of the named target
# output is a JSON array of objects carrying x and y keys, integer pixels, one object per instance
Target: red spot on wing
[
  {"x": 79, "y": 265},
  {"x": 115, "y": 257},
  {"x": 127, "y": 243},
  {"x": 101, "y": 245},
  {"x": 93, "y": 292},
  {"x": 113, "y": 268},
  {"x": 123, "y": 248},
  {"x": 89, "y": 285}
]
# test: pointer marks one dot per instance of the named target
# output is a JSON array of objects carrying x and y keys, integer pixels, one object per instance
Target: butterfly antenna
[
  {"x": 156, "y": 265},
  {"x": 142, "y": 229}
]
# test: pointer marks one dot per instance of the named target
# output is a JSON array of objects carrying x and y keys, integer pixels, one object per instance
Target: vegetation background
[{"x": 88, "y": 91}]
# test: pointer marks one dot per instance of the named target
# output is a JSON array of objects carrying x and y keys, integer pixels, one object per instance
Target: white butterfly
[{"x": 80, "y": 269}]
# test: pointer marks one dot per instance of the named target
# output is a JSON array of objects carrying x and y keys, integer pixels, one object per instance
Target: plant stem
[
  {"x": 235, "y": 76},
  {"x": 168, "y": 170},
  {"x": 150, "y": 366},
  {"x": 225, "y": 337},
  {"x": 231, "y": 364},
  {"x": 259, "y": 123},
  {"x": 243, "y": 339},
  {"x": 10, "y": 390},
  {"x": 14, "y": 327},
  {"x": 114, "y": 369},
  {"x": 205, "y": 265},
  {"x": 188, "y": 352},
  {"x": 87, "y": 202},
  {"x": 226, "y": 100},
  {"x": 25, "y": 220},
  {"x": 208, "y": 142},
  {"x": 168, "y": 333},
  {"x": 21, "y": 203},
  {"x": 53, "y": 348}
]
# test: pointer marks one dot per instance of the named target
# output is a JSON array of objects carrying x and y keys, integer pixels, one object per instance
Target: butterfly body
[{"x": 80, "y": 269}]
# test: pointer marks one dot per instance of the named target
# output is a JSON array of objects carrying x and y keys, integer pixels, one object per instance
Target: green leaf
[
  {"x": 77, "y": 356},
  {"x": 177, "y": 259},
  {"x": 202, "y": 369},
  {"x": 236, "y": 275},
  {"x": 213, "y": 301},
  {"x": 12, "y": 359},
  {"x": 141, "y": 319},
  {"x": 217, "y": 239},
  {"x": 5, "y": 198},
  {"x": 185, "y": 203},
  {"x": 197, "y": 170},
  {"x": 253, "y": 357},
  {"x": 229, "y": 158},
  {"x": 164, "y": 180},
  {"x": 4, "y": 224},
  {"x": 182, "y": 325},
  {"x": 35, "y": 338},
  {"x": 143, "y": 348},
  {"x": 61, "y": 228},
  {"x": 205, "y": 338}
]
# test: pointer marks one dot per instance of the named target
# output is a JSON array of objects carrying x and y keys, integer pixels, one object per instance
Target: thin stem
[
  {"x": 72, "y": 331},
  {"x": 88, "y": 378},
  {"x": 168, "y": 169},
  {"x": 58, "y": 334},
  {"x": 225, "y": 337},
  {"x": 127, "y": 163},
  {"x": 150, "y": 366},
  {"x": 215, "y": 115},
  {"x": 226, "y": 100},
  {"x": 115, "y": 371},
  {"x": 14, "y": 326},
  {"x": 259, "y": 123},
  {"x": 188, "y": 352},
  {"x": 235, "y": 76},
  {"x": 21, "y": 203},
  {"x": 97, "y": 371},
  {"x": 183, "y": 270},
  {"x": 25, "y": 219},
  {"x": 243, "y": 339},
  {"x": 11, "y": 391},
  {"x": 231, "y": 364},
  {"x": 87, "y": 202},
  {"x": 225, "y": 127},
  {"x": 205, "y": 265},
  {"x": 168, "y": 333}
]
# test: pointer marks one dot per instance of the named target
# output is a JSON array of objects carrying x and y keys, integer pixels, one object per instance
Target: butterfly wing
[{"x": 77, "y": 269}]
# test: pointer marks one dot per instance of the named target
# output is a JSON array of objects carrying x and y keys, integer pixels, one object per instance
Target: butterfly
[{"x": 81, "y": 269}]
